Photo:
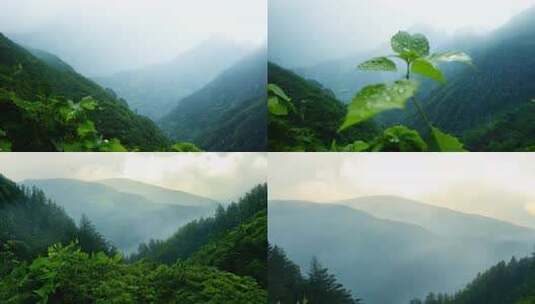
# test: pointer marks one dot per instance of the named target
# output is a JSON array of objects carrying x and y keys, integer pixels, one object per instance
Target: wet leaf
[
  {"x": 425, "y": 68},
  {"x": 378, "y": 64},
  {"x": 375, "y": 99},
  {"x": 410, "y": 47},
  {"x": 446, "y": 142}
]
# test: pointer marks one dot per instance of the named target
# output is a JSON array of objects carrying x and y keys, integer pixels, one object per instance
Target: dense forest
[
  {"x": 387, "y": 249},
  {"x": 229, "y": 113},
  {"x": 47, "y": 106},
  {"x": 487, "y": 106},
  {"x": 510, "y": 282},
  {"x": 287, "y": 285},
  {"x": 47, "y": 258}
]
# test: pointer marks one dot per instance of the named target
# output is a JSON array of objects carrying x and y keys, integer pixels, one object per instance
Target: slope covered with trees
[
  {"x": 501, "y": 84},
  {"x": 199, "y": 233},
  {"x": 317, "y": 117},
  {"x": 155, "y": 90},
  {"x": 229, "y": 113},
  {"x": 32, "y": 83},
  {"x": 30, "y": 223},
  {"x": 125, "y": 218},
  {"x": 506, "y": 282},
  {"x": 72, "y": 271},
  {"x": 287, "y": 285},
  {"x": 388, "y": 261}
]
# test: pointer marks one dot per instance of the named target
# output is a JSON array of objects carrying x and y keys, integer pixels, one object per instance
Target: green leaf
[
  {"x": 86, "y": 128},
  {"x": 451, "y": 57},
  {"x": 375, "y": 99},
  {"x": 112, "y": 145},
  {"x": 408, "y": 46},
  {"x": 5, "y": 145},
  {"x": 276, "y": 107},
  {"x": 277, "y": 91},
  {"x": 358, "y": 146},
  {"x": 378, "y": 64},
  {"x": 88, "y": 103},
  {"x": 425, "y": 68},
  {"x": 185, "y": 147},
  {"x": 446, "y": 142}
]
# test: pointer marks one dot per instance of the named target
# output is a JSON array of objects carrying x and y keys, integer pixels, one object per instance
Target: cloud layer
[
  {"x": 492, "y": 184},
  {"x": 216, "y": 175}
]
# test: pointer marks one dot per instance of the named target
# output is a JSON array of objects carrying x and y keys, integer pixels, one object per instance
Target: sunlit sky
[
  {"x": 499, "y": 185},
  {"x": 142, "y": 31},
  {"x": 303, "y": 30},
  {"x": 215, "y": 175}
]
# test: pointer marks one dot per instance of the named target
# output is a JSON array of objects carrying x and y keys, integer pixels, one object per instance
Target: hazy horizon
[
  {"x": 102, "y": 37},
  {"x": 463, "y": 182},
  {"x": 303, "y": 32},
  {"x": 219, "y": 176}
]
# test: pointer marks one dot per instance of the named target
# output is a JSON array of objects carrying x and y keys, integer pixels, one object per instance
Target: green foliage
[
  {"x": 314, "y": 124},
  {"x": 372, "y": 100},
  {"x": 278, "y": 102},
  {"x": 185, "y": 147},
  {"x": 446, "y": 142},
  {"x": 410, "y": 47},
  {"x": 242, "y": 251},
  {"x": 288, "y": 286},
  {"x": 378, "y": 64},
  {"x": 512, "y": 282},
  {"x": 29, "y": 223},
  {"x": 42, "y": 98},
  {"x": 375, "y": 99},
  {"x": 5, "y": 144},
  {"x": 426, "y": 68},
  {"x": 68, "y": 275},
  {"x": 393, "y": 139},
  {"x": 199, "y": 233},
  {"x": 60, "y": 123}
]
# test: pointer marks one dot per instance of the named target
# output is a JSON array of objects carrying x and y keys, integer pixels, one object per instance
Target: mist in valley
[
  {"x": 100, "y": 38},
  {"x": 395, "y": 227},
  {"x": 305, "y": 33},
  {"x": 134, "y": 198}
]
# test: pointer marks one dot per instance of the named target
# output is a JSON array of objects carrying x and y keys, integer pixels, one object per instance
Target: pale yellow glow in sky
[
  {"x": 499, "y": 185},
  {"x": 222, "y": 176}
]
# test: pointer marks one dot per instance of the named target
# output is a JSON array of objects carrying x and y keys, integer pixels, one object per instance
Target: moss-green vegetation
[{"x": 46, "y": 258}]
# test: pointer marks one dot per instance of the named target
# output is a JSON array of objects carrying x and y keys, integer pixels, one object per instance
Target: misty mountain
[
  {"x": 506, "y": 282},
  {"x": 125, "y": 219},
  {"x": 29, "y": 75},
  {"x": 229, "y": 113},
  {"x": 383, "y": 261},
  {"x": 439, "y": 220},
  {"x": 478, "y": 101},
  {"x": 317, "y": 117},
  {"x": 154, "y": 90},
  {"x": 30, "y": 222},
  {"x": 158, "y": 194}
]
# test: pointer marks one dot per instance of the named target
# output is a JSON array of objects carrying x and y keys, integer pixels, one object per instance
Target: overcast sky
[
  {"x": 215, "y": 175},
  {"x": 302, "y": 32},
  {"x": 499, "y": 185},
  {"x": 132, "y": 32}
]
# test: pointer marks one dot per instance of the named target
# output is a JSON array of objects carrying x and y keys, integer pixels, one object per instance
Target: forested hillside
[
  {"x": 501, "y": 83},
  {"x": 125, "y": 218},
  {"x": 371, "y": 254},
  {"x": 287, "y": 285},
  {"x": 510, "y": 282},
  {"x": 317, "y": 117},
  {"x": 229, "y": 113},
  {"x": 199, "y": 233},
  {"x": 43, "y": 108},
  {"x": 155, "y": 90},
  {"x": 30, "y": 223},
  {"x": 488, "y": 106}
]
